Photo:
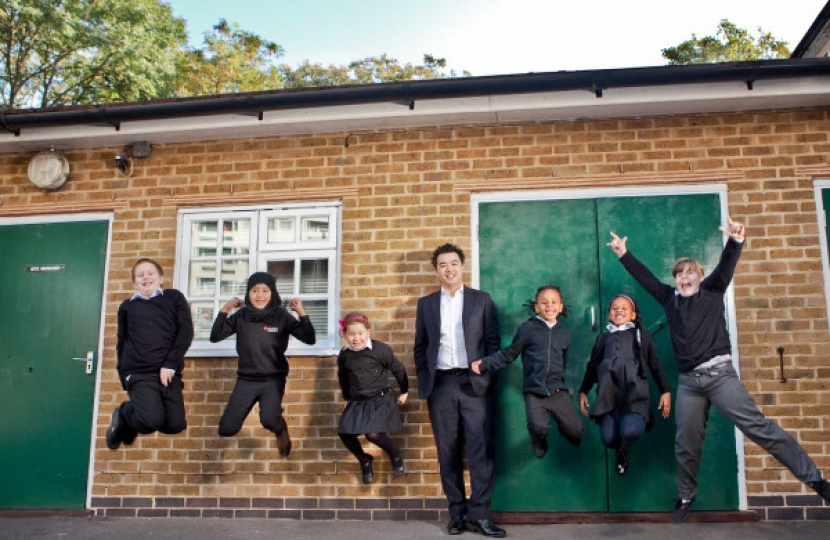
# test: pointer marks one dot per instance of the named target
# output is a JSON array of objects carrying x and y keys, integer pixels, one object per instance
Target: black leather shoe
[
  {"x": 681, "y": 510},
  {"x": 284, "y": 443},
  {"x": 368, "y": 470},
  {"x": 397, "y": 467},
  {"x": 483, "y": 526},
  {"x": 456, "y": 526},
  {"x": 113, "y": 432}
]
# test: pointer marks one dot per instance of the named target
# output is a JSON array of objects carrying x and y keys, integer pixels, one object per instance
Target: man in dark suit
[{"x": 454, "y": 326}]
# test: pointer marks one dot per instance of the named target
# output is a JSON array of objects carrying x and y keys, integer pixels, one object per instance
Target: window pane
[
  {"x": 202, "y": 319},
  {"x": 281, "y": 230},
  {"x": 204, "y": 238},
  {"x": 318, "y": 312},
  {"x": 202, "y": 278},
  {"x": 236, "y": 237},
  {"x": 314, "y": 276},
  {"x": 283, "y": 272},
  {"x": 315, "y": 229},
  {"x": 234, "y": 278}
]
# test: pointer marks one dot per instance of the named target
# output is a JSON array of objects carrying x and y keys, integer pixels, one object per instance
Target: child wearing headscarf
[{"x": 263, "y": 327}]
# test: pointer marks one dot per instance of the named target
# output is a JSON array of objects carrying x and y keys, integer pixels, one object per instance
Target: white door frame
[{"x": 76, "y": 218}]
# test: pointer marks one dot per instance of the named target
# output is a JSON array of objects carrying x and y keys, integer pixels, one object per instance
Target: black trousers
[
  {"x": 462, "y": 423},
  {"x": 153, "y": 407},
  {"x": 559, "y": 407},
  {"x": 247, "y": 393}
]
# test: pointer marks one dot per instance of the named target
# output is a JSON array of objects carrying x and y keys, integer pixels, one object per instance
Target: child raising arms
[
  {"x": 155, "y": 330},
  {"x": 363, "y": 369},
  {"x": 543, "y": 343},
  {"x": 617, "y": 366},
  {"x": 262, "y": 327},
  {"x": 695, "y": 312}
]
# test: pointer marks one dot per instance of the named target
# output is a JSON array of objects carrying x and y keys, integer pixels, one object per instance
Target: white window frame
[{"x": 260, "y": 253}]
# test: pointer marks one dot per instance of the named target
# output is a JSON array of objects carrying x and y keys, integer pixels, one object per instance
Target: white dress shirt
[{"x": 452, "y": 350}]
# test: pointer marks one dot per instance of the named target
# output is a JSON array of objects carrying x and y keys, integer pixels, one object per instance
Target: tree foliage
[
  {"x": 70, "y": 52},
  {"x": 67, "y": 52},
  {"x": 374, "y": 69},
  {"x": 231, "y": 60},
  {"x": 730, "y": 44}
]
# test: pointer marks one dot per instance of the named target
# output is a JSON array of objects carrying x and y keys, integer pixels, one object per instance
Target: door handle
[
  {"x": 88, "y": 359},
  {"x": 593, "y": 319}
]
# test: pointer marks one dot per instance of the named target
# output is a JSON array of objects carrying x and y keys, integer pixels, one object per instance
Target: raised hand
[
  {"x": 735, "y": 230},
  {"x": 297, "y": 305},
  {"x": 617, "y": 244},
  {"x": 231, "y": 305}
]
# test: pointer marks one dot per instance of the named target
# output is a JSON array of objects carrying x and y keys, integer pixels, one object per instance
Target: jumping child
[
  {"x": 155, "y": 329},
  {"x": 695, "y": 312},
  {"x": 543, "y": 343},
  {"x": 617, "y": 366},
  {"x": 262, "y": 327},
  {"x": 363, "y": 368}
]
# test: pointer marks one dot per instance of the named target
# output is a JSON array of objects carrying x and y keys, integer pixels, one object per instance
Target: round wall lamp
[{"x": 48, "y": 170}]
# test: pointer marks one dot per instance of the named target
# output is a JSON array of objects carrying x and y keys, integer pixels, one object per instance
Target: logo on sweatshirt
[{"x": 271, "y": 329}]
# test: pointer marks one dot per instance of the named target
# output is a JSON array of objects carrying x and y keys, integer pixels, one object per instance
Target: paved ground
[{"x": 72, "y": 528}]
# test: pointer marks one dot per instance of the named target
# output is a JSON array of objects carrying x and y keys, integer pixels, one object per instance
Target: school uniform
[
  {"x": 707, "y": 377},
  {"x": 261, "y": 341},
  {"x": 364, "y": 380},
  {"x": 617, "y": 366},
  {"x": 544, "y": 349},
  {"x": 153, "y": 333}
]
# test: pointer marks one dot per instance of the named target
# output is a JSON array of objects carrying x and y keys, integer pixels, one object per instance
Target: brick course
[{"x": 403, "y": 193}]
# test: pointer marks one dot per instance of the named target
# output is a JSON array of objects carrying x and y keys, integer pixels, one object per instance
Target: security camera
[{"x": 122, "y": 161}]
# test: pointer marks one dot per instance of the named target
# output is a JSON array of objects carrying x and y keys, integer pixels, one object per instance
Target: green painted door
[
  {"x": 50, "y": 305},
  {"x": 526, "y": 244}
]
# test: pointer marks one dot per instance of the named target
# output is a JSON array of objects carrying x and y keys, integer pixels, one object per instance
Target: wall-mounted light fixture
[
  {"x": 124, "y": 164},
  {"x": 48, "y": 170}
]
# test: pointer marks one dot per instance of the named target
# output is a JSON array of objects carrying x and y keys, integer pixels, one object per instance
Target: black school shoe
[
  {"x": 622, "y": 460},
  {"x": 397, "y": 467},
  {"x": 484, "y": 527},
  {"x": 114, "y": 430},
  {"x": 284, "y": 442},
  {"x": 367, "y": 470},
  {"x": 822, "y": 487},
  {"x": 681, "y": 510},
  {"x": 540, "y": 446}
]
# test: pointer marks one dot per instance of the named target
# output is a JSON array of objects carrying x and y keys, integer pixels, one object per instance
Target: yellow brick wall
[{"x": 403, "y": 193}]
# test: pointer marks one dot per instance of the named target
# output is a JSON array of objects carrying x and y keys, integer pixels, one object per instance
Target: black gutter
[
  {"x": 410, "y": 92},
  {"x": 814, "y": 31}
]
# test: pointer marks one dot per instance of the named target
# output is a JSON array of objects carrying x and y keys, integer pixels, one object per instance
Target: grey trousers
[{"x": 721, "y": 387}]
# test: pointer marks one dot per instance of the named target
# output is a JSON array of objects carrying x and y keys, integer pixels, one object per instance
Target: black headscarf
[{"x": 273, "y": 306}]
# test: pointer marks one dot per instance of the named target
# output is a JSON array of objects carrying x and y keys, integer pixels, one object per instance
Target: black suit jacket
[{"x": 481, "y": 336}]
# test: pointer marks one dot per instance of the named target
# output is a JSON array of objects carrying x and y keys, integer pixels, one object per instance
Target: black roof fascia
[
  {"x": 813, "y": 32},
  {"x": 410, "y": 92}
]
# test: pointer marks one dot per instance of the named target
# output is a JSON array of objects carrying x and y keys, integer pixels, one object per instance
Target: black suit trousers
[{"x": 461, "y": 423}]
